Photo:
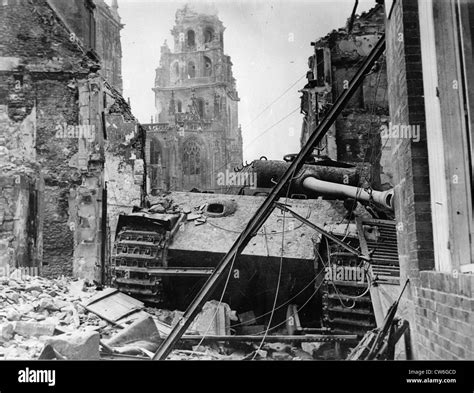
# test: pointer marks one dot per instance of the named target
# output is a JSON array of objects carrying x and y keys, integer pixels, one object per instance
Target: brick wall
[
  {"x": 57, "y": 105},
  {"x": 406, "y": 103},
  {"x": 444, "y": 316},
  {"x": 438, "y": 305},
  {"x": 410, "y": 158},
  {"x": 57, "y": 235}
]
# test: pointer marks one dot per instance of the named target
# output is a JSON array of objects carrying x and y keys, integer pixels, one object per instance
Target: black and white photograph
[{"x": 278, "y": 185}]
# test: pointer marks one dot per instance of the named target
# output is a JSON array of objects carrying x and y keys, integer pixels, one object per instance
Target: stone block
[
  {"x": 34, "y": 329},
  {"x": 6, "y": 331}
]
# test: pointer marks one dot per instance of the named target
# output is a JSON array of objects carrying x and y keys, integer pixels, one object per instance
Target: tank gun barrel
[{"x": 383, "y": 198}]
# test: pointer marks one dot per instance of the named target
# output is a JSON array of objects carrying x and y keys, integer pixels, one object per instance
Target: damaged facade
[
  {"x": 65, "y": 131},
  {"x": 355, "y": 137},
  {"x": 412, "y": 118},
  {"x": 195, "y": 134}
]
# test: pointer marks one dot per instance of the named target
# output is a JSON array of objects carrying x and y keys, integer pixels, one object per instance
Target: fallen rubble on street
[{"x": 69, "y": 319}]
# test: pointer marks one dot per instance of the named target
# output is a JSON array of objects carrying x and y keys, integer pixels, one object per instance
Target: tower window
[
  {"x": 176, "y": 70},
  {"x": 200, "y": 107},
  {"x": 192, "y": 158},
  {"x": 191, "y": 70},
  {"x": 207, "y": 66},
  {"x": 191, "y": 38},
  {"x": 208, "y": 34},
  {"x": 179, "y": 106},
  {"x": 155, "y": 152}
]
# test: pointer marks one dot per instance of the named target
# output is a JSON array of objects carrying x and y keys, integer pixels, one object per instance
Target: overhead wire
[
  {"x": 274, "y": 101},
  {"x": 277, "y": 290}
]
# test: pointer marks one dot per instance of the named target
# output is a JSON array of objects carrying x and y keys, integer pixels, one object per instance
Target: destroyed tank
[{"x": 163, "y": 253}]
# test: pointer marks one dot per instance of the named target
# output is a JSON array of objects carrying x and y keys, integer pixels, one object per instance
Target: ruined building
[
  {"x": 108, "y": 44},
  {"x": 355, "y": 137},
  {"x": 98, "y": 27},
  {"x": 67, "y": 137},
  {"x": 195, "y": 134},
  {"x": 412, "y": 121}
]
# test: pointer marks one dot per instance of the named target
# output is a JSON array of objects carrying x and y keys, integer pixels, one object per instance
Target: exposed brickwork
[
  {"x": 444, "y": 316},
  {"x": 34, "y": 90},
  {"x": 440, "y": 306},
  {"x": 57, "y": 235},
  {"x": 355, "y": 137},
  {"x": 410, "y": 158},
  {"x": 50, "y": 93}
]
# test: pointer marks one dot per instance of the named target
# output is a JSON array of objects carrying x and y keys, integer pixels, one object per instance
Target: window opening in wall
[
  {"x": 208, "y": 35},
  {"x": 200, "y": 107},
  {"x": 191, "y": 38},
  {"x": 191, "y": 70},
  {"x": 207, "y": 66},
  {"x": 176, "y": 70},
  {"x": 192, "y": 158},
  {"x": 155, "y": 152}
]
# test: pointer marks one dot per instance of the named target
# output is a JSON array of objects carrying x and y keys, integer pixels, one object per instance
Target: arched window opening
[
  {"x": 191, "y": 70},
  {"x": 155, "y": 164},
  {"x": 192, "y": 158},
  {"x": 155, "y": 152},
  {"x": 190, "y": 38},
  {"x": 201, "y": 107},
  {"x": 207, "y": 66},
  {"x": 176, "y": 70},
  {"x": 179, "y": 106},
  {"x": 208, "y": 34}
]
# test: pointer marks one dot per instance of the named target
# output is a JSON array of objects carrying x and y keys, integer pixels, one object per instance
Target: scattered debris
[{"x": 69, "y": 319}]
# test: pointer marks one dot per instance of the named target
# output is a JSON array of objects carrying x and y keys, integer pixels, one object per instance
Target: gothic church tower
[{"x": 195, "y": 134}]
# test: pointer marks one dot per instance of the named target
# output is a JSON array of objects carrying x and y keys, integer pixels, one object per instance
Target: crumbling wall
[
  {"x": 19, "y": 180},
  {"x": 355, "y": 137},
  {"x": 124, "y": 168},
  {"x": 57, "y": 111},
  {"x": 85, "y": 202},
  {"x": 52, "y": 139},
  {"x": 41, "y": 63}
]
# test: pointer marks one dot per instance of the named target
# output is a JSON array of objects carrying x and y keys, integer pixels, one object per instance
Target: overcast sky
[{"x": 269, "y": 43}]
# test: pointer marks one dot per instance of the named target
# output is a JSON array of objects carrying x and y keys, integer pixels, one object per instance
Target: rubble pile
[
  {"x": 33, "y": 309},
  {"x": 165, "y": 204},
  {"x": 49, "y": 319}
]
